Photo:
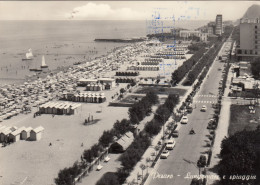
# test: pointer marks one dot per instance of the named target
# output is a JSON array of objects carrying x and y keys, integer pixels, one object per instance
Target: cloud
[{"x": 92, "y": 11}]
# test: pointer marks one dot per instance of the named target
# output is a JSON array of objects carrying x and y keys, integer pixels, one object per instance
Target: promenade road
[{"x": 183, "y": 158}]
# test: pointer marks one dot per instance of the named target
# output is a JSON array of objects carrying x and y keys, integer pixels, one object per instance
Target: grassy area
[
  {"x": 161, "y": 90},
  {"x": 241, "y": 119},
  {"x": 131, "y": 99}
]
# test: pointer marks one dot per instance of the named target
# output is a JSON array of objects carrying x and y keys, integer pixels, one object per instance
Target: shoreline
[{"x": 43, "y": 75}]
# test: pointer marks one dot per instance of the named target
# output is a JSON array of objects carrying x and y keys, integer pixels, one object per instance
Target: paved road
[{"x": 183, "y": 158}]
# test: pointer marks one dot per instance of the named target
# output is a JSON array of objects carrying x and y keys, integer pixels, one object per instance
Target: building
[
  {"x": 204, "y": 37},
  {"x": 5, "y": 134},
  {"x": 108, "y": 82},
  {"x": 219, "y": 25},
  {"x": 249, "y": 47},
  {"x": 189, "y": 33},
  {"x": 16, "y": 135},
  {"x": 59, "y": 108},
  {"x": 123, "y": 143},
  {"x": 36, "y": 134},
  {"x": 25, "y": 134}
]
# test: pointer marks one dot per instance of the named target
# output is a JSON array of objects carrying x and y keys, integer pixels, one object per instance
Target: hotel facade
[
  {"x": 219, "y": 25},
  {"x": 249, "y": 39}
]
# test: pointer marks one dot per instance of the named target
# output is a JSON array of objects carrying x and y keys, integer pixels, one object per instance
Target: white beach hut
[
  {"x": 25, "y": 133},
  {"x": 16, "y": 135},
  {"x": 36, "y": 134}
]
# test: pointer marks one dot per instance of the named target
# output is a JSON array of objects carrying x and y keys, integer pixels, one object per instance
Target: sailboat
[
  {"x": 43, "y": 63},
  {"x": 29, "y": 55},
  {"x": 39, "y": 70}
]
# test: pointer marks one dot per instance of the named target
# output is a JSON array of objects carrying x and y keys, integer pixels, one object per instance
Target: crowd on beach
[{"x": 15, "y": 99}]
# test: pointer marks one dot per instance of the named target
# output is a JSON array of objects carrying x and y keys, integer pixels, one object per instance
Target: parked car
[
  {"x": 175, "y": 133},
  {"x": 165, "y": 154},
  {"x": 203, "y": 108},
  {"x": 170, "y": 144},
  {"x": 184, "y": 120}
]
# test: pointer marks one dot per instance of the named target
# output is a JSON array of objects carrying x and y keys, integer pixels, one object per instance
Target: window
[
  {"x": 256, "y": 37},
  {"x": 239, "y": 51},
  {"x": 251, "y": 52},
  {"x": 256, "y": 53},
  {"x": 255, "y": 31},
  {"x": 245, "y": 51},
  {"x": 255, "y": 27}
]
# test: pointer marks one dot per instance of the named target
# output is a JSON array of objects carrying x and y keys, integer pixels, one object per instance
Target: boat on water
[
  {"x": 29, "y": 55},
  {"x": 35, "y": 69},
  {"x": 43, "y": 63},
  {"x": 43, "y": 66}
]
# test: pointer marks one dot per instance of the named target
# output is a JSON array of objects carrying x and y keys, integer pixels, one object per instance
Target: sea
[{"x": 64, "y": 43}]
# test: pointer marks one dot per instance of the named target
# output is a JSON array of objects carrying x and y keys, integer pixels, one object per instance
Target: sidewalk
[
  {"x": 132, "y": 178},
  {"x": 221, "y": 132}
]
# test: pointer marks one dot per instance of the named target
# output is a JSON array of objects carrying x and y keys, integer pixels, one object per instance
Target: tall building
[
  {"x": 249, "y": 39},
  {"x": 219, "y": 25}
]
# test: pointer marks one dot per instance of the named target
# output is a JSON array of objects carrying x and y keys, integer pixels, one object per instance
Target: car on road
[
  {"x": 184, "y": 120},
  {"x": 203, "y": 108},
  {"x": 165, "y": 154},
  {"x": 175, "y": 133},
  {"x": 170, "y": 144}
]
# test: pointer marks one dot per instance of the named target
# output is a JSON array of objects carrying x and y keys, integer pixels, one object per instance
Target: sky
[{"x": 122, "y": 10}]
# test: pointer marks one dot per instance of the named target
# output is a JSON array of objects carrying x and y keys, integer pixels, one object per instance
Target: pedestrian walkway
[
  {"x": 133, "y": 177},
  {"x": 205, "y": 102},
  {"x": 221, "y": 132},
  {"x": 113, "y": 163},
  {"x": 207, "y": 95}
]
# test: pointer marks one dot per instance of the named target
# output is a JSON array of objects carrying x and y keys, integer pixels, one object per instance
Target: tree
[
  {"x": 108, "y": 179},
  {"x": 88, "y": 155},
  {"x": 96, "y": 149},
  {"x": 239, "y": 156},
  {"x": 121, "y": 127},
  {"x": 106, "y": 138},
  {"x": 201, "y": 163},
  {"x": 122, "y": 90}
]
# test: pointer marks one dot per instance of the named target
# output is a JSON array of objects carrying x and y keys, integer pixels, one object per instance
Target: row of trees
[
  {"x": 193, "y": 48},
  {"x": 127, "y": 73},
  {"x": 205, "y": 61},
  {"x": 125, "y": 80},
  {"x": 67, "y": 175},
  {"x": 240, "y": 156},
  {"x": 162, "y": 114},
  {"x": 179, "y": 73},
  {"x": 142, "y": 108},
  {"x": 136, "y": 150}
]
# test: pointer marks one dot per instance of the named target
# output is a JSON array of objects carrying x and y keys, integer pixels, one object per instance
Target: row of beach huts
[
  {"x": 59, "y": 108},
  {"x": 14, "y": 134},
  {"x": 85, "y": 97}
]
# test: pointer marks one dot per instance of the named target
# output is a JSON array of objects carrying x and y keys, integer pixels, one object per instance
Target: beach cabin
[
  {"x": 16, "y": 135},
  {"x": 123, "y": 143},
  {"x": 4, "y": 134},
  {"x": 25, "y": 133},
  {"x": 108, "y": 81},
  {"x": 36, "y": 134}
]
